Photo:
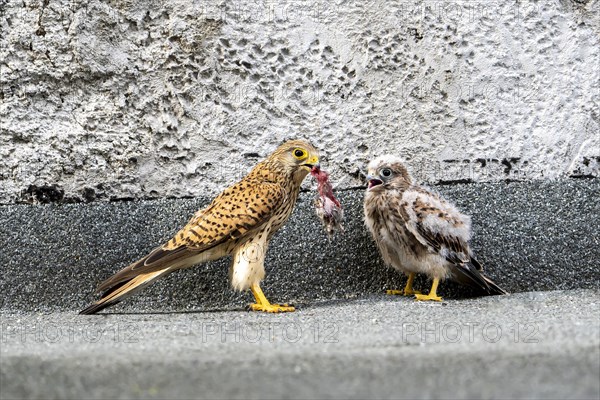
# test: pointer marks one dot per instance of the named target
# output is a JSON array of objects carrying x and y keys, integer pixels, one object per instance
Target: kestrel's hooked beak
[
  {"x": 372, "y": 182},
  {"x": 312, "y": 163}
]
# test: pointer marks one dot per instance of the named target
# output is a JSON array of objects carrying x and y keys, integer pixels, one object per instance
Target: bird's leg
[
  {"x": 262, "y": 304},
  {"x": 408, "y": 290},
  {"x": 432, "y": 293}
]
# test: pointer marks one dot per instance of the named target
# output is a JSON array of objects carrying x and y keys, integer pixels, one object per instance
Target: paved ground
[
  {"x": 526, "y": 345},
  {"x": 191, "y": 336},
  {"x": 528, "y": 235}
]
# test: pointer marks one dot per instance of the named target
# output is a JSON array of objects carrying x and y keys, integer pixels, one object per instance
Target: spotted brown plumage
[
  {"x": 417, "y": 231},
  {"x": 240, "y": 221}
]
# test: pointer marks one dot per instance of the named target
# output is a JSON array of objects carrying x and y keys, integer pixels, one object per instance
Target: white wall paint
[{"x": 150, "y": 98}]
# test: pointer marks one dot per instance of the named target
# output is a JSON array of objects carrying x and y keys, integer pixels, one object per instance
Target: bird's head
[
  {"x": 297, "y": 158},
  {"x": 387, "y": 172}
]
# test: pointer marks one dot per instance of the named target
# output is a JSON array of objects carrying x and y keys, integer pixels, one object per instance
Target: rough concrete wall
[{"x": 138, "y": 99}]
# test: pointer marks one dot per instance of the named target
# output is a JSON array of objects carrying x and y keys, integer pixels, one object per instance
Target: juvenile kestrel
[
  {"x": 417, "y": 231},
  {"x": 239, "y": 221}
]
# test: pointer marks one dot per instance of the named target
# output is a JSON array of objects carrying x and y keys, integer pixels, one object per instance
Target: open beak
[
  {"x": 372, "y": 182},
  {"x": 312, "y": 163}
]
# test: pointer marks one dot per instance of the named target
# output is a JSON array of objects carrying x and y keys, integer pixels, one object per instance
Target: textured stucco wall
[{"x": 139, "y": 99}]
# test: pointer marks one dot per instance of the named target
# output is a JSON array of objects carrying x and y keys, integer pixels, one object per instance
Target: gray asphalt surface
[
  {"x": 528, "y": 235},
  {"x": 191, "y": 336},
  {"x": 526, "y": 345}
]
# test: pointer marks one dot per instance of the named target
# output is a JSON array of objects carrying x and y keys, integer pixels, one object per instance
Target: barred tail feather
[
  {"x": 471, "y": 274},
  {"x": 123, "y": 290},
  {"x": 493, "y": 288}
]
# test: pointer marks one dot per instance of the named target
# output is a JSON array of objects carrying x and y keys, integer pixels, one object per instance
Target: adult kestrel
[
  {"x": 240, "y": 221},
  {"x": 417, "y": 231}
]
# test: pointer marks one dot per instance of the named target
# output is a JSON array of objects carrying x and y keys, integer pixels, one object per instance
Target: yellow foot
[
  {"x": 427, "y": 297},
  {"x": 402, "y": 292},
  {"x": 272, "y": 308}
]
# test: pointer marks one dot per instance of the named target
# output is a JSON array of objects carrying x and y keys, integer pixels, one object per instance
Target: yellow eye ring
[{"x": 299, "y": 154}]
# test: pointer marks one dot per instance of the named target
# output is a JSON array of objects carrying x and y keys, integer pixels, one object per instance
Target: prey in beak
[{"x": 327, "y": 207}]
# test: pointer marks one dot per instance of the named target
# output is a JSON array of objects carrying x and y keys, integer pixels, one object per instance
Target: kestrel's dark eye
[
  {"x": 386, "y": 172},
  {"x": 299, "y": 153}
]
